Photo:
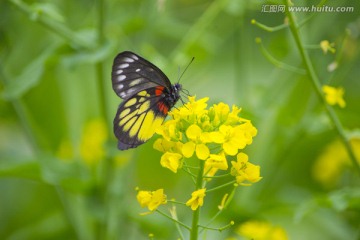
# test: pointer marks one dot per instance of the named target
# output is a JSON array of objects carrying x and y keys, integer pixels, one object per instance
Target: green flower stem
[
  {"x": 187, "y": 170},
  {"x": 196, "y": 214},
  {"x": 227, "y": 202},
  {"x": 99, "y": 65},
  {"x": 221, "y": 186},
  {"x": 198, "y": 28},
  {"x": 175, "y": 217},
  {"x": 176, "y": 202},
  {"x": 22, "y": 113},
  {"x": 174, "y": 220},
  {"x": 219, "y": 229},
  {"x": 218, "y": 176},
  {"x": 267, "y": 28},
  {"x": 317, "y": 87},
  {"x": 52, "y": 25},
  {"x": 276, "y": 62}
]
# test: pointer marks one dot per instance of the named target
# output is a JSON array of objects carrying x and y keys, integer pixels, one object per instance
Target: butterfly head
[{"x": 174, "y": 94}]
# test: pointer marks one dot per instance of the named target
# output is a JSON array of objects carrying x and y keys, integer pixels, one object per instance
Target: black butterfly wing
[
  {"x": 132, "y": 73},
  {"x": 144, "y": 88},
  {"x": 138, "y": 117}
]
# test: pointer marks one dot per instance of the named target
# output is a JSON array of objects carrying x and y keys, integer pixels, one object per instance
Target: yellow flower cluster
[
  {"x": 215, "y": 135},
  {"x": 197, "y": 199},
  {"x": 334, "y": 95},
  {"x": 330, "y": 165},
  {"x": 209, "y": 134},
  {"x": 245, "y": 171},
  {"x": 326, "y": 46},
  {"x": 260, "y": 230},
  {"x": 151, "y": 199}
]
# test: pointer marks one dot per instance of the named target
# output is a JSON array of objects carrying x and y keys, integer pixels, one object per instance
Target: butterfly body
[{"x": 147, "y": 96}]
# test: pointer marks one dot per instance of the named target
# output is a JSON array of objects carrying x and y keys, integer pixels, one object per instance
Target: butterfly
[{"x": 147, "y": 95}]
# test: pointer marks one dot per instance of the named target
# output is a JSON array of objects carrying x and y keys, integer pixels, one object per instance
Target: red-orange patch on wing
[
  {"x": 163, "y": 108},
  {"x": 159, "y": 90}
]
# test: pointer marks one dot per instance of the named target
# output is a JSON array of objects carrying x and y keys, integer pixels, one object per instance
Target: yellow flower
[
  {"x": 171, "y": 161},
  {"x": 191, "y": 110},
  {"x": 219, "y": 113},
  {"x": 326, "y": 46},
  {"x": 151, "y": 199},
  {"x": 170, "y": 131},
  {"x": 217, "y": 161},
  {"x": 197, "y": 199},
  {"x": 334, "y": 95},
  {"x": 197, "y": 143},
  {"x": 163, "y": 145},
  {"x": 330, "y": 164},
  {"x": 92, "y": 142},
  {"x": 245, "y": 171},
  {"x": 209, "y": 171},
  {"x": 261, "y": 231},
  {"x": 231, "y": 138}
]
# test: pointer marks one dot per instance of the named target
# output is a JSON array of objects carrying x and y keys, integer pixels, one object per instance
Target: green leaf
[
  {"x": 20, "y": 169},
  {"x": 50, "y": 10},
  {"x": 29, "y": 77},
  {"x": 94, "y": 56}
]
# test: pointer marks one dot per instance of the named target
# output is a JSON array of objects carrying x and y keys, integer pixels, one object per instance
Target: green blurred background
[{"x": 61, "y": 176}]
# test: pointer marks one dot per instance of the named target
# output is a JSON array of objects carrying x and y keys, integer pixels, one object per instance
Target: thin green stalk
[
  {"x": 109, "y": 231},
  {"x": 52, "y": 25},
  {"x": 198, "y": 28},
  {"x": 22, "y": 113},
  {"x": 176, "y": 202},
  {"x": 317, "y": 87},
  {"x": 221, "y": 186},
  {"x": 174, "y": 216},
  {"x": 276, "y": 62},
  {"x": 267, "y": 28},
  {"x": 227, "y": 202},
  {"x": 99, "y": 68},
  {"x": 218, "y": 229},
  {"x": 174, "y": 220},
  {"x": 196, "y": 214}
]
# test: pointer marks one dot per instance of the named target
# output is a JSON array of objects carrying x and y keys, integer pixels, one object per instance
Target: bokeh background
[{"x": 61, "y": 176}]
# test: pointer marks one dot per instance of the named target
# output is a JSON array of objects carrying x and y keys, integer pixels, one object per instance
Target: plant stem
[
  {"x": 174, "y": 220},
  {"x": 196, "y": 214},
  {"x": 221, "y": 186},
  {"x": 52, "y": 25},
  {"x": 317, "y": 87}
]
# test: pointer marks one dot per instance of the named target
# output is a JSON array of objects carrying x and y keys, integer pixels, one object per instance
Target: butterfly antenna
[
  {"x": 186, "y": 92},
  {"x": 185, "y": 69}
]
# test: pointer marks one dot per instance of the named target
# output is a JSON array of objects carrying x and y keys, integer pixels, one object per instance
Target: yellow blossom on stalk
[
  {"x": 197, "y": 199},
  {"x": 209, "y": 134},
  {"x": 217, "y": 161},
  {"x": 326, "y": 46},
  {"x": 169, "y": 131},
  {"x": 330, "y": 165},
  {"x": 151, "y": 199},
  {"x": 197, "y": 143},
  {"x": 191, "y": 109},
  {"x": 260, "y": 230},
  {"x": 245, "y": 171},
  {"x": 209, "y": 171},
  {"x": 334, "y": 96},
  {"x": 171, "y": 161},
  {"x": 92, "y": 142}
]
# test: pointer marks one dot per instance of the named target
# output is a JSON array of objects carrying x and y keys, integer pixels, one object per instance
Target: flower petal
[
  {"x": 188, "y": 149},
  {"x": 202, "y": 151}
]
